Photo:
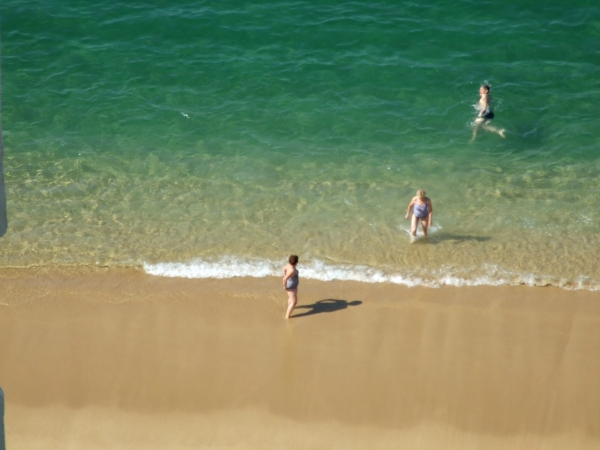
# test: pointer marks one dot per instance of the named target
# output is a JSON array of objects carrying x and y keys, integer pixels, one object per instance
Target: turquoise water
[{"x": 215, "y": 138}]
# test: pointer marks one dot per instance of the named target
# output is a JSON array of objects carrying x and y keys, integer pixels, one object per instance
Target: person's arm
[
  {"x": 412, "y": 202},
  {"x": 286, "y": 275},
  {"x": 430, "y": 212}
]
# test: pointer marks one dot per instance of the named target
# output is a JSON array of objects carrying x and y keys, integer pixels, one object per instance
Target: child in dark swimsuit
[
  {"x": 485, "y": 113},
  {"x": 422, "y": 211},
  {"x": 290, "y": 284}
]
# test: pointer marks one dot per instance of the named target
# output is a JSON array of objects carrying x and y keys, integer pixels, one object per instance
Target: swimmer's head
[
  {"x": 293, "y": 260},
  {"x": 421, "y": 194},
  {"x": 485, "y": 88}
]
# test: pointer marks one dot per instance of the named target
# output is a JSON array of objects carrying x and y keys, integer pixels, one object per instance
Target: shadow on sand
[{"x": 325, "y": 306}]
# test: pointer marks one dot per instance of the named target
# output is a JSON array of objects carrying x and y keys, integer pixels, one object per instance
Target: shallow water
[{"x": 213, "y": 136}]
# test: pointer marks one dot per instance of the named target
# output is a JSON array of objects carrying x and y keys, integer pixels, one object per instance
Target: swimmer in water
[
  {"x": 485, "y": 113},
  {"x": 422, "y": 211}
]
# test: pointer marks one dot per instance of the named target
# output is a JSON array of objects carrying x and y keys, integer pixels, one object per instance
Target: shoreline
[
  {"x": 361, "y": 364},
  {"x": 228, "y": 268}
]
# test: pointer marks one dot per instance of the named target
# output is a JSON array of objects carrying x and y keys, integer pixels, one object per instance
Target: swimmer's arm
[{"x": 412, "y": 202}]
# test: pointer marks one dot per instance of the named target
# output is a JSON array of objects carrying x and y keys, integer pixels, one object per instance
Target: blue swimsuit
[
  {"x": 293, "y": 281},
  {"x": 421, "y": 211}
]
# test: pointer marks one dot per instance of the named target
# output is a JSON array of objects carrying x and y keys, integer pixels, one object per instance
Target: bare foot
[{"x": 501, "y": 133}]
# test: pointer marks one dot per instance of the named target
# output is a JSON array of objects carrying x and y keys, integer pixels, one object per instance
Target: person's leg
[
  {"x": 292, "y": 300},
  {"x": 413, "y": 225},
  {"x": 424, "y": 223},
  {"x": 488, "y": 127},
  {"x": 476, "y": 126}
]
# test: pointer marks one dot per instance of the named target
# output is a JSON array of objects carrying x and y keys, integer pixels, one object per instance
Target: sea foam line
[{"x": 230, "y": 267}]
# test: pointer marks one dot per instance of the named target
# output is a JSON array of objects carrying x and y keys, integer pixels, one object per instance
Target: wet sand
[{"x": 122, "y": 360}]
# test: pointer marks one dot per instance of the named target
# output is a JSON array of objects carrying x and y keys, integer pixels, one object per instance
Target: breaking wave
[{"x": 488, "y": 275}]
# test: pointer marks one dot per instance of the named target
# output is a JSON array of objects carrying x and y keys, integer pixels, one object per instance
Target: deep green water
[{"x": 222, "y": 136}]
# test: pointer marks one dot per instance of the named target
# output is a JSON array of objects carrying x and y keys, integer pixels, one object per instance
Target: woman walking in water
[
  {"x": 290, "y": 283},
  {"x": 422, "y": 211},
  {"x": 485, "y": 113}
]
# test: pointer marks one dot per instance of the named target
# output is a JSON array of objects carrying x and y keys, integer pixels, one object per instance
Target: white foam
[
  {"x": 226, "y": 267},
  {"x": 490, "y": 275},
  {"x": 405, "y": 226}
]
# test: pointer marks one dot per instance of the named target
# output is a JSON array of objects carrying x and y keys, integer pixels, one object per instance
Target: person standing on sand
[
  {"x": 422, "y": 211},
  {"x": 290, "y": 283},
  {"x": 485, "y": 113}
]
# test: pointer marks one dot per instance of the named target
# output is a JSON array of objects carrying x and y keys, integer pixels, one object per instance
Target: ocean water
[{"x": 214, "y": 138}]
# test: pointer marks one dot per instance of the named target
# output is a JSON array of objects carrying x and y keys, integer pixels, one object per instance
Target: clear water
[{"x": 199, "y": 138}]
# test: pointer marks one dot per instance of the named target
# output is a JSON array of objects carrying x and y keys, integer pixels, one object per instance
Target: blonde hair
[{"x": 421, "y": 194}]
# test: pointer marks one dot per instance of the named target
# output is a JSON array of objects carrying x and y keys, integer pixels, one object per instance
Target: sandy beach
[{"x": 122, "y": 360}]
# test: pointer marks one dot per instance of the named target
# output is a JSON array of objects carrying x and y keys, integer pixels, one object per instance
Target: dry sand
[{"x": 122, "y": 360}]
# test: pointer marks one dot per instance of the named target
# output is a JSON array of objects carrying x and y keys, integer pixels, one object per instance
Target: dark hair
[
  {"x": 487, "y": 87},
  {"x": 293, "y": 260}
]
